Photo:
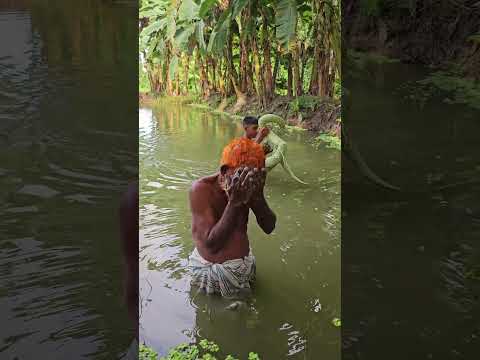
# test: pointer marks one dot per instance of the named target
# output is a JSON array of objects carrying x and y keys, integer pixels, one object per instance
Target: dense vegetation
[
  {"x": 242, "y": 48},
  {"x": 437, "y": 33}
]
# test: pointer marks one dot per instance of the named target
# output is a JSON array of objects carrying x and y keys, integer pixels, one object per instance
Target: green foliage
[
  {"x": 173, "y": 66},
  {"x": 451, "y": 87},
  {"x": 188, "y": 10},
  {"x": 205, "y": 350},
  {"x": 337, "y": 322},
  {"x": 253, "y": 356},
  {"x": 286, "y": 21},
  {"x": 376, "y": 8},
  {"x": 146, "y": 353},
  {"x": 291, "y": 31},
  {"x": 206, "y": 6},
  {"x": 370, "y": 7},
  {"x": 304, "y": 103},
  {"x": 143, "y": 84},
  {"x": 337, "y": 92},
  {"x": 331, "y": 141},
  {"x": 209, "y": 346},
  {"x": 363, "y": 59},
  {"x": 475, "y": 38}
]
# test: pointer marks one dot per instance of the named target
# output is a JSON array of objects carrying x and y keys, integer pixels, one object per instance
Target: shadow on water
[
  {"x": 297, "y": 293},
  {"x": 62, "y": 75}
]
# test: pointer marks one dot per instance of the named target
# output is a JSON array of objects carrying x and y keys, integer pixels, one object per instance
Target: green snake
[{"x": 274, "y": 143}]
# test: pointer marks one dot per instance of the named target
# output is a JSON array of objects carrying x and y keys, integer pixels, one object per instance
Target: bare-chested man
[{"x": 222, "y": 261}]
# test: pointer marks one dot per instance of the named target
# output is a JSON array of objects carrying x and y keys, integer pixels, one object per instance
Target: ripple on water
[{"x": 42, "y": 191}]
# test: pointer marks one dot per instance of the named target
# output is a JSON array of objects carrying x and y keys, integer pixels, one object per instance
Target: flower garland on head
[{"x": 243, "y": 152}]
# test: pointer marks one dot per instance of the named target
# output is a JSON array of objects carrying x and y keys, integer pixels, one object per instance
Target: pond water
[
  {"x": 297, "y": 293},
  {"x": 65, "y": 159},
  {"x": 410, "y": 274}
]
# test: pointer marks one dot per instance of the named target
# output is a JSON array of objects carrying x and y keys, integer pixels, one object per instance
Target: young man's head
[
  {"x": 241, "y": 152},
  {"x": 250, "y": 125}
]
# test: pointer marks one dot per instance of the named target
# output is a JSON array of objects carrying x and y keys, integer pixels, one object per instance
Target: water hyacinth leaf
[
  {"x": 337, "y": 322},
  {"x": 253, "y": 356}
]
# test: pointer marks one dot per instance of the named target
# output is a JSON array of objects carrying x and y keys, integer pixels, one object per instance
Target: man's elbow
[
  {"x": 212, "y": 246},
  {"x": 270, "y": 226}
]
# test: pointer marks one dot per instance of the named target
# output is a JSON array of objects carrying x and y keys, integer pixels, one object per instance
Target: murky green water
[
  {"x": 410, "y": 273},
  {"x": 65, "y": 160},
  {"x": 298, "y": 288}
]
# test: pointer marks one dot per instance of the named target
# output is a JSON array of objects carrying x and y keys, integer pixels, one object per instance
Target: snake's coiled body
[{"x": 277, "y": 146}]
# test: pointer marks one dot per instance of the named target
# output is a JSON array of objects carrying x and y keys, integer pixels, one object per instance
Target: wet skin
[{"x": 220, "y": 205}]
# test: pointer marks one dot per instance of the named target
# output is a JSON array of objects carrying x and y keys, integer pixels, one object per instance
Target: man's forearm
[
  {"x": 224, "y": 228},
  {"x": 265, "y": 216}
]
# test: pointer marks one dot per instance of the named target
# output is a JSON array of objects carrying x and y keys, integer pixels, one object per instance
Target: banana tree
[
  {"x": 157, "y": 42},
  {"x": 327, "y": 51}
]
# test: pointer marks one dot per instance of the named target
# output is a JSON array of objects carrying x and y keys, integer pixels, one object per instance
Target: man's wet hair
[{"x": 250, "y": 120}]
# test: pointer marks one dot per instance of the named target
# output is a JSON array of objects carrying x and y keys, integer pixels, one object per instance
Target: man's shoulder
[{"x": 203, "y": 185}]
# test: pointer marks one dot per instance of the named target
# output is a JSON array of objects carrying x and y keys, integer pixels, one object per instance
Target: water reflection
[
  {"x": 62, "y": 76},
  {"x": 301, "y": 257}
]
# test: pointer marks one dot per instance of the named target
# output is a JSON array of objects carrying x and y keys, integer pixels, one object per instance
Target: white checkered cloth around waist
[{"x": 227, "y": 279}]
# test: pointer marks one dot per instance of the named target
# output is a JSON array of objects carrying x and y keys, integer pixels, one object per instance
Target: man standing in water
[{"x": 222, "y": 261}]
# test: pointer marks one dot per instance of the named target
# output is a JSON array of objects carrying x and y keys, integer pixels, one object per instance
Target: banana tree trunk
[
  {"x": 313, "y": 88},
  {"x": 268, "y": 81},
  {"x": 259, "y": 78},
  {"x": 297, "y": 85},
  {"x": 232, "y": 76},
  {"x": 203, "y": 76},
  {"x": 289, "y": 77},
  {"x": 177, "y": 84},
  {"x": 275, "y": 72},
  {"x": 186, "y": 65}
]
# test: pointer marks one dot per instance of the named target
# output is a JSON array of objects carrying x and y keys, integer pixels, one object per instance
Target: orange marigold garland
[{"x": 243, "y": 152}]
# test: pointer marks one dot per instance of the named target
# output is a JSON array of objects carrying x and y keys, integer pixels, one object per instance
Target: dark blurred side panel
[
  {"x": 68, "y": 151},
  {"x": 410, "y": 179}
]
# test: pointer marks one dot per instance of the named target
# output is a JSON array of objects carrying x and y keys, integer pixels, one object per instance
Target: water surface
[
  {"x": 65, "y": 160},
  {"x": 410, "y": 259}
]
